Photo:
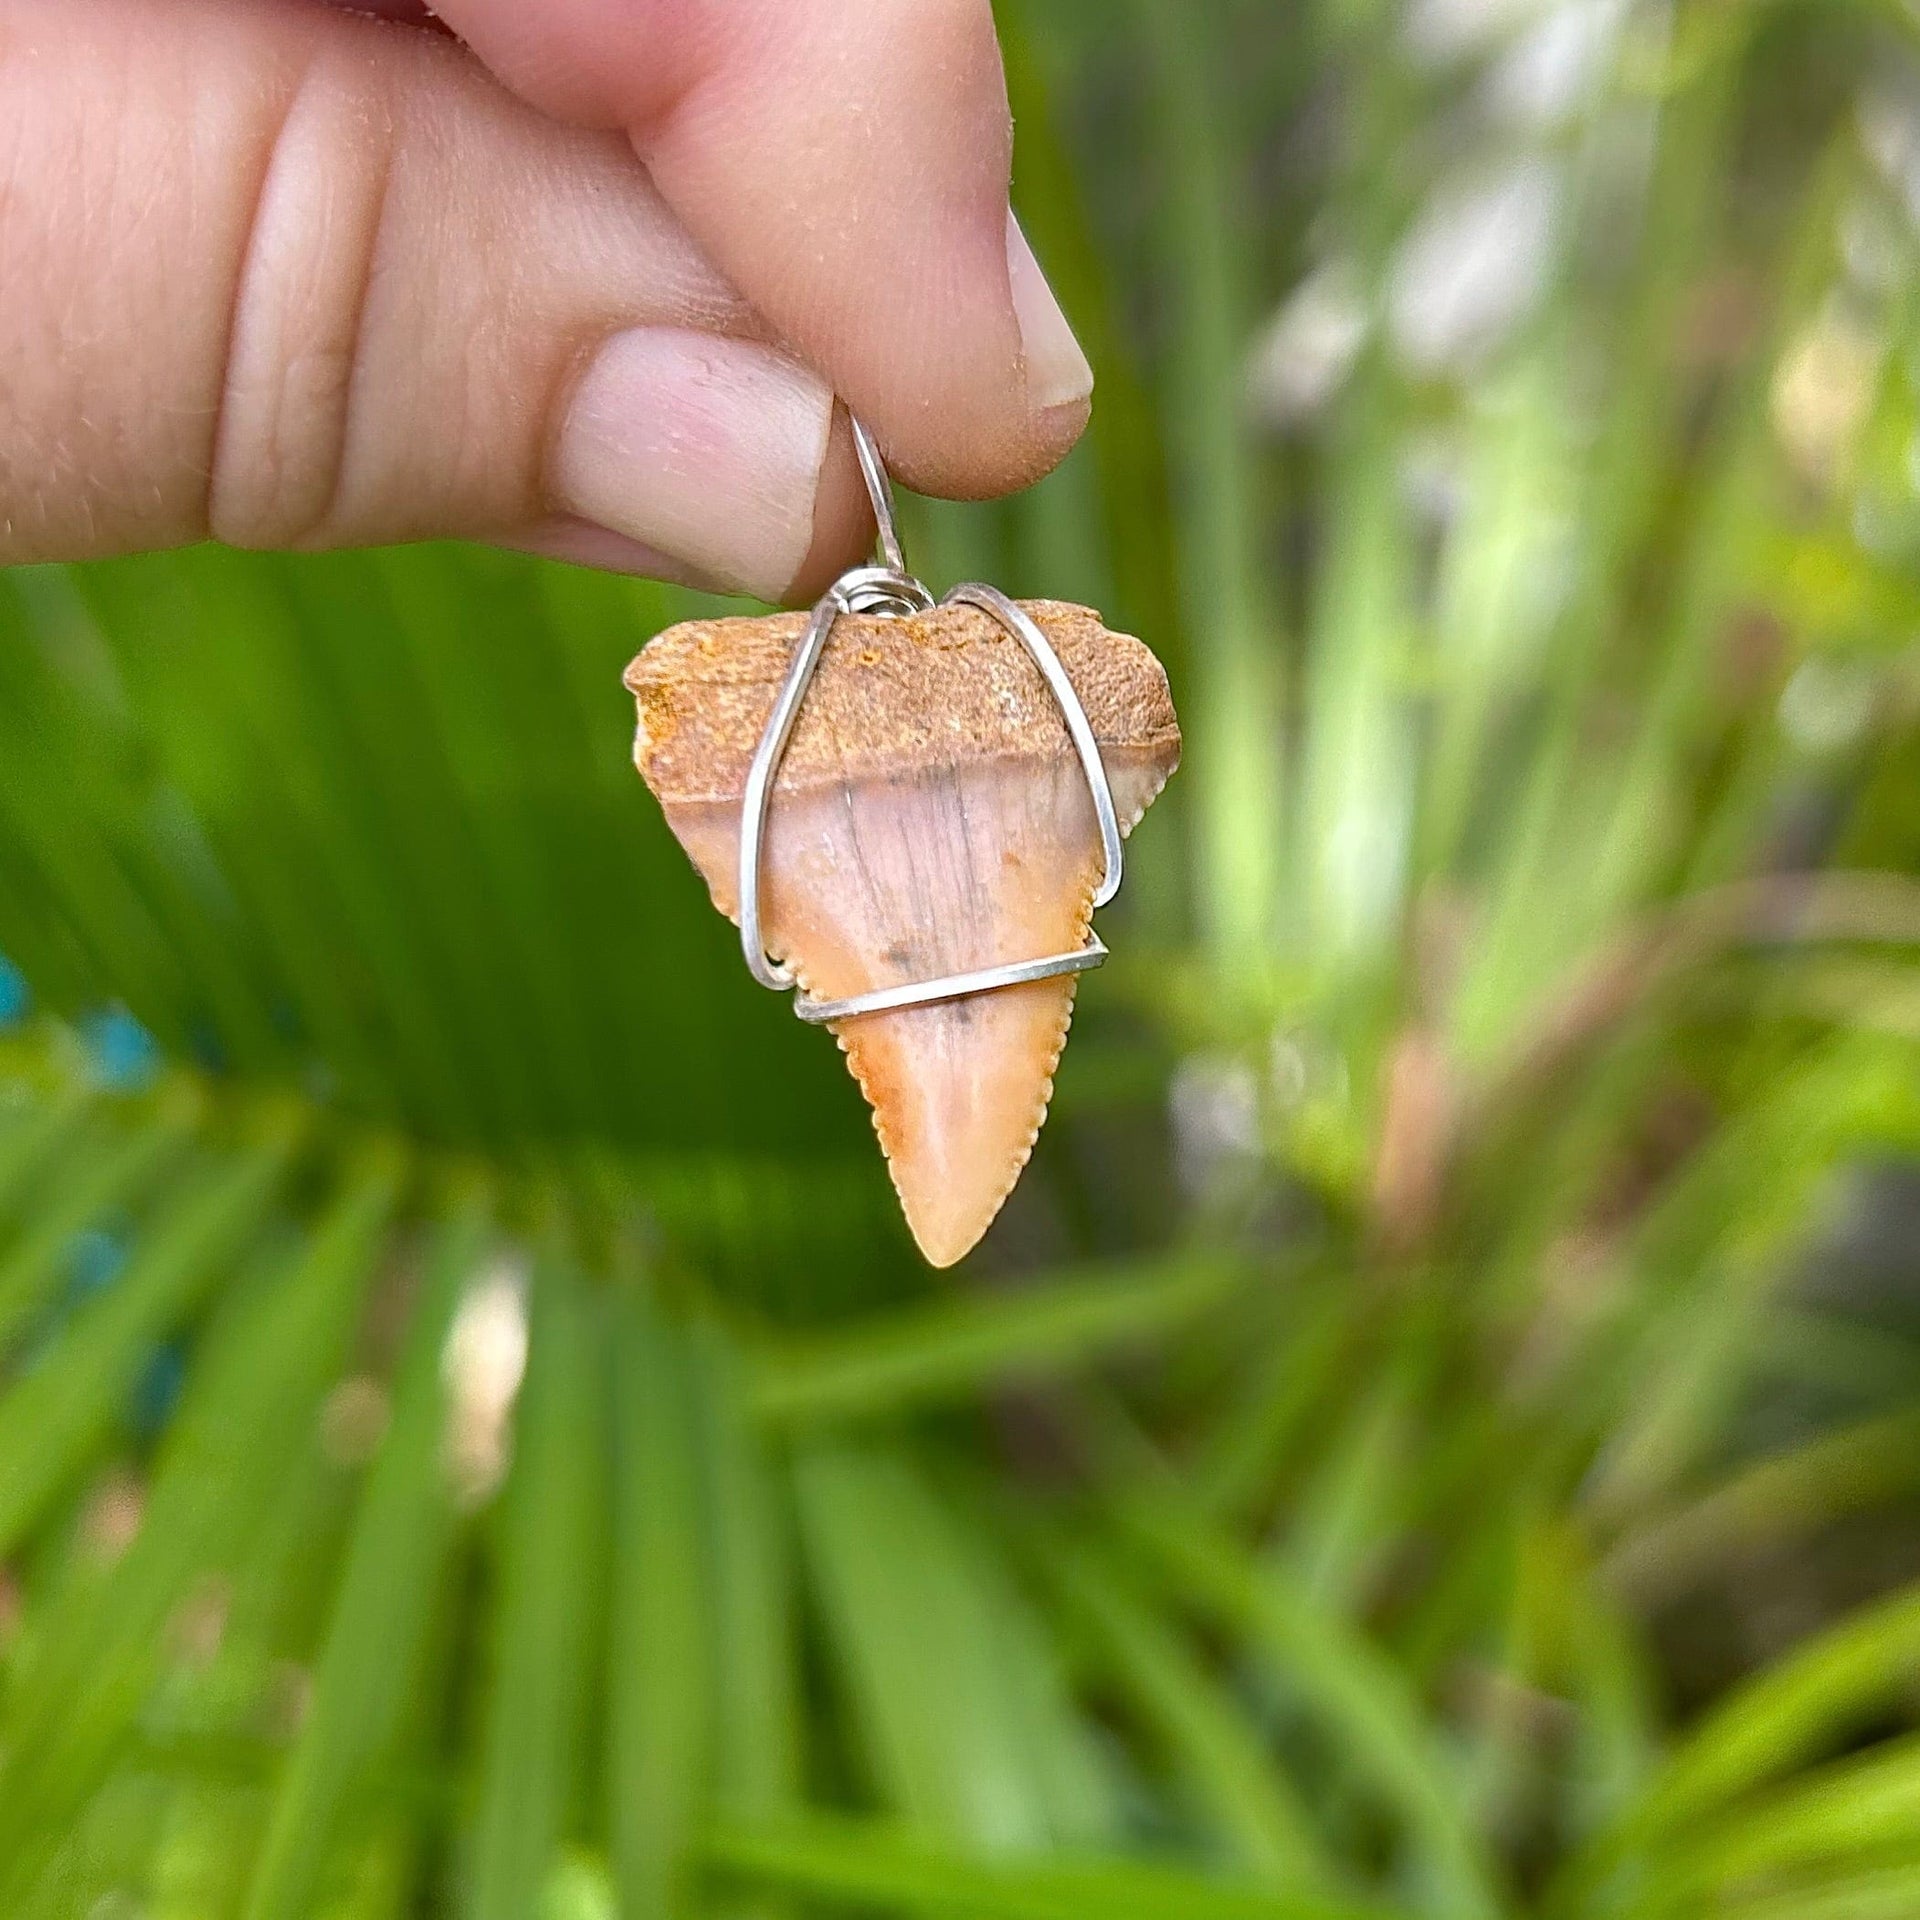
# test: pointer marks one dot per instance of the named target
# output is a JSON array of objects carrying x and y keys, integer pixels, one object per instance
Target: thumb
[
  {"x": 845, "y": 164},
  {"x": 291, "y": 278}
]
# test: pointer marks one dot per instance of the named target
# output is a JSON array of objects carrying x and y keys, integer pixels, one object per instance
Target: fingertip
[{"x": 985, "y": 463}]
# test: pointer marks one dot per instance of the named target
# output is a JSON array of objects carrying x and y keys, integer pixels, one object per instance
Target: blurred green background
[{"x": 1437, "y": 1431}]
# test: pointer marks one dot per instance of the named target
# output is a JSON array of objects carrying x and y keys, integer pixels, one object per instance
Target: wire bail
[{"x": 887, "y": 589}]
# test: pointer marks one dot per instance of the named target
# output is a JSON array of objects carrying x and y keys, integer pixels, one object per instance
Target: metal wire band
[
  {"x": 868, "y": 587},
  {"x": 955, "y": 986},
  {"x": 873, "y": 470}
]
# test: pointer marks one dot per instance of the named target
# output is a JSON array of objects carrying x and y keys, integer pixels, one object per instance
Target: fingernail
[
  {"x": 704, "y": 448},
  {"x": 580, "y": 543},
  {"x": 1057, "y": 371}
]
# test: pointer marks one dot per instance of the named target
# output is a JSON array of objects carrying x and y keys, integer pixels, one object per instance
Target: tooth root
[{"x": 935, "y": 820}]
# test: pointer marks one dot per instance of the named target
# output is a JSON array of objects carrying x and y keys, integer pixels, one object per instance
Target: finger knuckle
[{"x": 299, "y": 312}]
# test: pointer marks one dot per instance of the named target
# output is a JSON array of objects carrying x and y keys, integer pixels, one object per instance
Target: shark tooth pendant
[{"x": 912, "y": 811}]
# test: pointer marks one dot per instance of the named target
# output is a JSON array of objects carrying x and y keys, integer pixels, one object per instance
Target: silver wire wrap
[{"x": 889, "y": 590}]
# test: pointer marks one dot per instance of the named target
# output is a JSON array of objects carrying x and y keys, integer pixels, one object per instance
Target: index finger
[{"x": 845, "y": 164}]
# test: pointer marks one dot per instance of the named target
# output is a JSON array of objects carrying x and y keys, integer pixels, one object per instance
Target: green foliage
[{"x": 474, "y": 1437}]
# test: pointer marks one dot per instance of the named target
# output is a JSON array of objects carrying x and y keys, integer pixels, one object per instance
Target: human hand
[{"x": 289, "y": 277}]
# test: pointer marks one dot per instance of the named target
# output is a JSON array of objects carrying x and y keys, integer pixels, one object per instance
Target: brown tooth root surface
[{"x": 931, "y": 817}]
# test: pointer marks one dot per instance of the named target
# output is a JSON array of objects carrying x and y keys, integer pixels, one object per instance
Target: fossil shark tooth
[{"x": 930, "y": 817}]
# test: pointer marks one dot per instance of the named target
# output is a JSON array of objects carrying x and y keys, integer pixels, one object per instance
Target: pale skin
[{"x": 581, "y": 276}]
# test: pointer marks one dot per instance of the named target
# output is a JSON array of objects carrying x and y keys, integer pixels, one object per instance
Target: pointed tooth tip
[
  {"x": 946, "y": 1224},
  {"x": 944, "y": 1250},
  {"x": 946, "y": 1235},
  {"x": 948, "y": 1210},
  {"x": 946, "y": 1232}
]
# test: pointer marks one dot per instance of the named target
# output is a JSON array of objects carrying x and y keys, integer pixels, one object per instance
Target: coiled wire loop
[{"x": 888, "y": 589}]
